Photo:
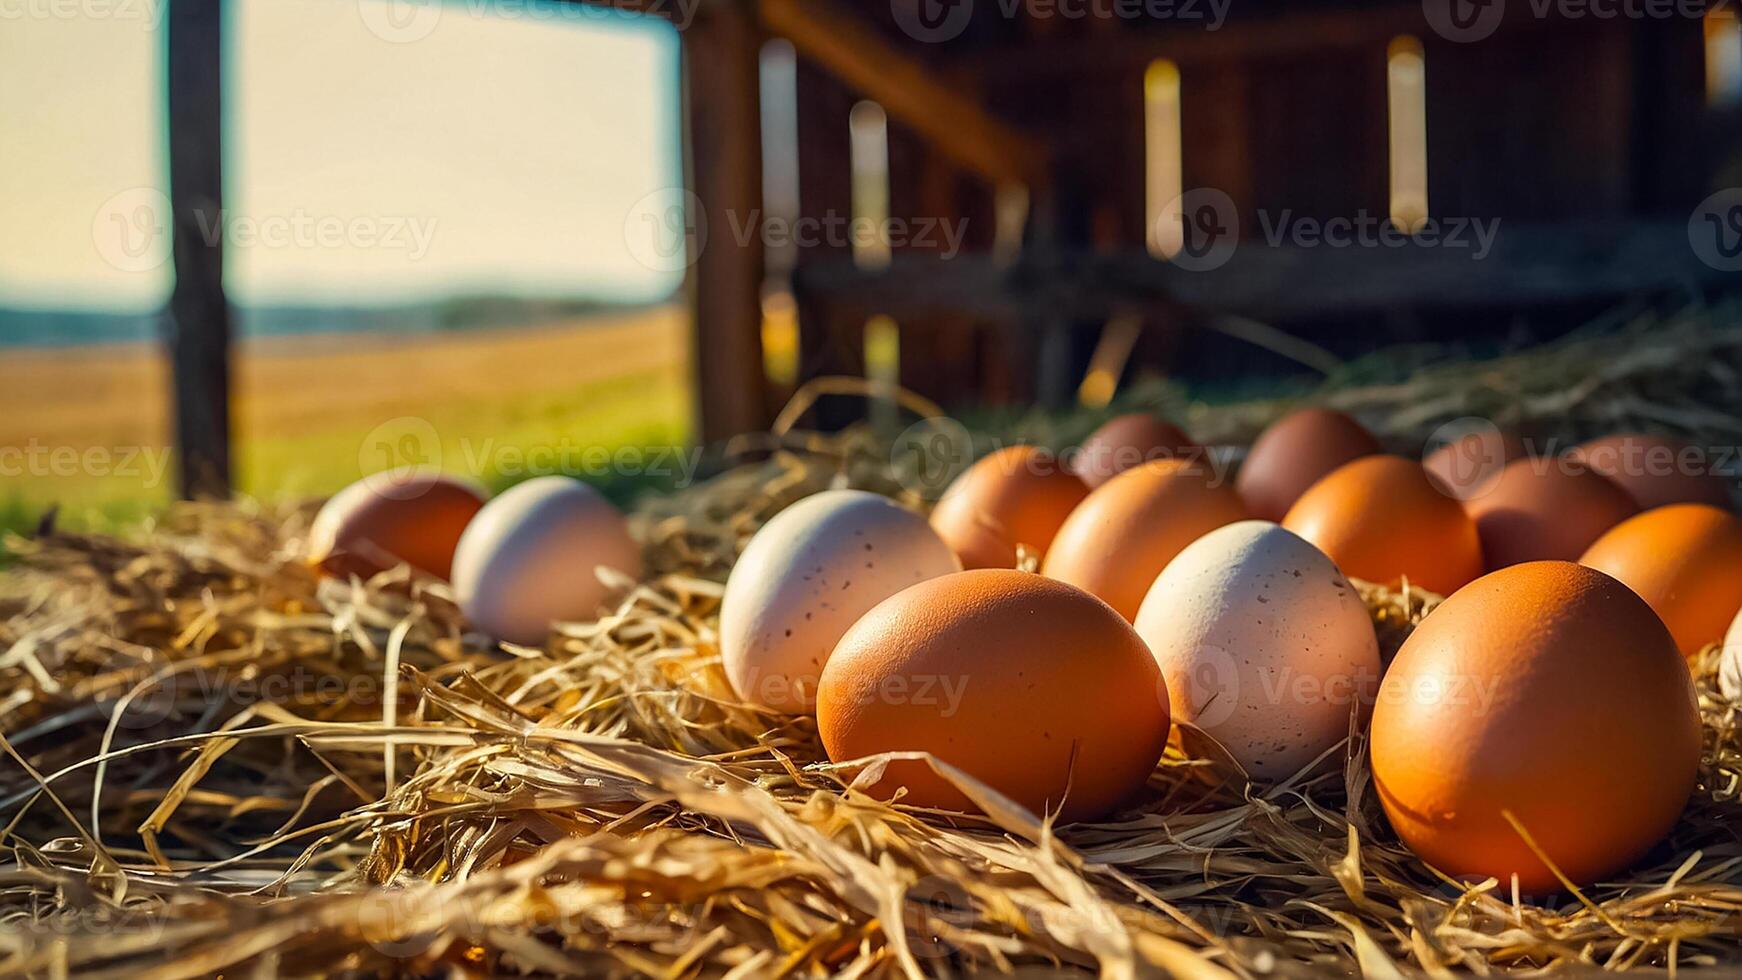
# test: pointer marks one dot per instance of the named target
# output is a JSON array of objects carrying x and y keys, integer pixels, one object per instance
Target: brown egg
[
  {"x": 1128, "y": 440},
  {"x": 1029, "y": 685},
  {"x": 1295, "y": 453},
  {"x": 1017, "y": 495},
  {"x": 1539, "y": 509},
  {"x": 1655, "y": 470},
  {"x": 1466, "y": 464},
  {"x": 389, "y": 518},
  {"x": 1547, "y": 691},
  {"x": 1685, "y": 560},
  {"x": 1382, "y": 518},
  {"x": 1119, "y": 539}
]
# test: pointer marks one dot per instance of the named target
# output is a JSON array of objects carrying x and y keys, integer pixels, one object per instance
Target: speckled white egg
[
  {"x": 1265, "y": 646},
  {"x": 1730, "y": 661},
  {"x": 808, "y": 575},
  {"x": 531, "y": 558}
]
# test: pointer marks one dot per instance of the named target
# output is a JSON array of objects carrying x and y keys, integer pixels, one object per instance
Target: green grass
[{"x": 501, "y": 441}]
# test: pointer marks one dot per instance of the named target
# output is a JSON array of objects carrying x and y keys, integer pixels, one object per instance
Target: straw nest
[{"x": 218, "y": 764}]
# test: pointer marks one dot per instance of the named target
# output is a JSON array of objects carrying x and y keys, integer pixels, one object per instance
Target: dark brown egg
[
  {"x": 1296, "y": 452},
  {"x": 1128, "y": 440},
  {"x": 389, "y": 518},
  {"x": 1465, "y": 464},
  {"x": 1655, "y": 470},
  {"x": 1015, "y": 498},
  {"x": 1543, "y": 509},
  {"x": 1546, "y": 698}
]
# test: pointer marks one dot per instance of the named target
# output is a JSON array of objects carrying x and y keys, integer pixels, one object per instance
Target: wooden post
[
  {"x": 722, "y": 117},
  {"x": 198, "y": 322}
]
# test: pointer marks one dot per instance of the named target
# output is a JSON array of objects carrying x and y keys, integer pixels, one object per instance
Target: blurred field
[{"x": 89, "y": 428}]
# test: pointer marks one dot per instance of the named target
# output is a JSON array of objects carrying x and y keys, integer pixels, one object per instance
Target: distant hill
[{"x": 64, "y": 328}]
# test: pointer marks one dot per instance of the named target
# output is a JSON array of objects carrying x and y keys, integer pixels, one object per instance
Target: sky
[{"x": 376, "y": 150}]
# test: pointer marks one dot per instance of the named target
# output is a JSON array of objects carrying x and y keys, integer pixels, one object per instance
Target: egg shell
[
  {"x": 1545, "y": 509},
  {"x": 531, "y": 558},
  {"x": 809, "y": 574},
  {"x": 1127, "y": 441},
  {"x": 1265, "y": 646},
  {"x": 1017, "y": 495},
  {"x": 409, "y": 516},
  {"x": 1466, "y": 464},
  {"x": 1294, "y": 453},
  {"x": 1685, "y": 561},
  {"x": 1382, "y": 518},
  {"x": 1655, "y": 470},
  {"x": 1550, "y": 691},
  {"x": 1730, "y": 661},
  {"x": 1124, "y": 533},
  {"x": 1025, "y": 683}
]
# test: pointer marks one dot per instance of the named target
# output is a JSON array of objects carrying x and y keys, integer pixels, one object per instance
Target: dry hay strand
[{"x": 218, "y": 764}]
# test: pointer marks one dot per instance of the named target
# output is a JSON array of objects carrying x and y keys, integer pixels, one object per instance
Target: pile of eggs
[
  {"x": 1544, "y": 710},
  {"x": 518, "y": 562},
  {"x": 1539, "y": 724}
]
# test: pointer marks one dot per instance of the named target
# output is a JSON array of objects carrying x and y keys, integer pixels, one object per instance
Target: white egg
[
  {"x": 807, "y": 576},
  {"x": 530, "y": 558},
  {"x": 1264, "y": 644},
  {"x": 1730, "y": 661}
]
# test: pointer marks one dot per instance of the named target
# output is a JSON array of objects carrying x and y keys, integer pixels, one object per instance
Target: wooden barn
[{"x": 1034, "y": 168}]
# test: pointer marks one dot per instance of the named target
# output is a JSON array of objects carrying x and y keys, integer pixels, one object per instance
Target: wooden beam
[
  {"x": 1524, "y": 266},
  {"x": 1243, "y": 36},
  {"x": 723, "y": 166},
  {"x": 867, "y": 63},
  {"x": 198, "y": 320}
]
